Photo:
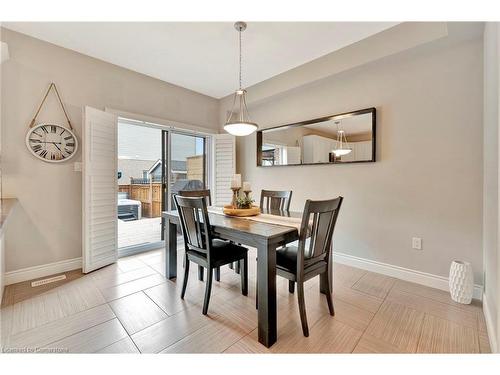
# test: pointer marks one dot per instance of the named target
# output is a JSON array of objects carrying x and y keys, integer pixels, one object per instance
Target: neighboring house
[
  {"x": 139, "y": 152},
  {"x": 132, "y": 168},
  {"x": 191, "y": 169}
]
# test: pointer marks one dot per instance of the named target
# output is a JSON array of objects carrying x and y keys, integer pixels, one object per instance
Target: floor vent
[{"x": 48, "y": 280}]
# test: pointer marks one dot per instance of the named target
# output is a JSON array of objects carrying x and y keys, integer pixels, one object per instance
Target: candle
[
  {"x": 236, "y": 181},
  {"x": 247, "y": 186}
]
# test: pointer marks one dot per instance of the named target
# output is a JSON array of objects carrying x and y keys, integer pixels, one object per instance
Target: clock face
[{"x": 51, "y": 143}]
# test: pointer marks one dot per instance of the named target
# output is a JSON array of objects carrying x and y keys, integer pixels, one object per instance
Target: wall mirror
[{"x": 338, "y": 139}]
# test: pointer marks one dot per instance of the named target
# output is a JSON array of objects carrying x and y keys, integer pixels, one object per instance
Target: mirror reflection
[{"x": 343, "y": 138}]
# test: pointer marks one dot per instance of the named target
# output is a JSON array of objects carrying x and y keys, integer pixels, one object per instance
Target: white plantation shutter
[
  {"x": 100, "y": 234},
  {"x": 224, "y": 168}
]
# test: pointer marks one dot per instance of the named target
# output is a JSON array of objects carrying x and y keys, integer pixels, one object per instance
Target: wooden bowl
[{"x": 241, "y": 212}]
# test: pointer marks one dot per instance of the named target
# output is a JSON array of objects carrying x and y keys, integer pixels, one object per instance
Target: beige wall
[
  {"x": 47, "y": 224},
  {"x": 425, "y": 182},
  {"x": 491, "y": 172}
]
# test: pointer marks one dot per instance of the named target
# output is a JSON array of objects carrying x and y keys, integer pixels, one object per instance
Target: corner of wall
[{"x": 490, "y": 327}]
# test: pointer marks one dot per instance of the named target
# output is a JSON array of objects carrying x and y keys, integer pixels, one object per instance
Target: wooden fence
[{"x": 148, "y": 194}]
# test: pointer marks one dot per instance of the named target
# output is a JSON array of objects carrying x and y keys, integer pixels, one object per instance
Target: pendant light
[
  {"x": 238, "y": 122},
  {"x": 342, "y": 145}
]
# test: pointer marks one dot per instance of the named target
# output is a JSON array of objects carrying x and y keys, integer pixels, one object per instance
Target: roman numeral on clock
[{"x": 43, "y": 153}]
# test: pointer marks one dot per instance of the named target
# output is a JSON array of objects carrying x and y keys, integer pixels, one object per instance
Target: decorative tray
[{"x": 232, "y": 211}]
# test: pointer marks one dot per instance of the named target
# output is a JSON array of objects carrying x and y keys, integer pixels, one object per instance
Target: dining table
[{"x": 264, "y": 235}]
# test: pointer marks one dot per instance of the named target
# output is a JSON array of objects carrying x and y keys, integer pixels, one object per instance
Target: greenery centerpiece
[{"x": 243, "y": 202}]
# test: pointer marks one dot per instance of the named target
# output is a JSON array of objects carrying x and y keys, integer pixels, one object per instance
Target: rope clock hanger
[{"x": 51, "y": 142}]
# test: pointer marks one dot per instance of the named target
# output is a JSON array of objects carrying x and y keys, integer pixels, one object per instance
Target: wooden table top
[{"x": 246, "y": 225}]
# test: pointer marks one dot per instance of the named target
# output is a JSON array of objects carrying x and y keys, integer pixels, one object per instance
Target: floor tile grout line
[
  {"x": 366, "y": 294},
  {"x": 373, "y": 317},
  {"x": 357, "y": 281},
  {"x": 248, "y": 334},
  {"x": 452, "y": 304},
  {"x": 92, "y": 326},
  {"x": 67, "y": 316},
  {"x": 114, "y": 299},
  {"x": 126, "y": 330},
  {"x": 364, "y": 331},
  {"x": 147, "y": 295},
  {"x": 192, "y": 333},
  {"x": 441, "y": 303},
  {"x": 182, "y": 338},
  {"x": 107, "y": 346}
]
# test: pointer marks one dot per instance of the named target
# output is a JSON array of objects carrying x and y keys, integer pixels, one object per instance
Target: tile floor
[{"x": 129, "y": 307}]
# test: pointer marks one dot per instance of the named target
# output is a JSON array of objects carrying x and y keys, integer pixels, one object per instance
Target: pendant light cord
[{"x": 240, "y": 58}]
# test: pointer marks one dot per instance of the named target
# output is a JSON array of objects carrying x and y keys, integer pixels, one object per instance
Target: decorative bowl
[{"x": 242, "y": 212}]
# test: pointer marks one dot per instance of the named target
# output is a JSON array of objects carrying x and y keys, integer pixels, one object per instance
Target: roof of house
[{"x": 176, "y": 165}]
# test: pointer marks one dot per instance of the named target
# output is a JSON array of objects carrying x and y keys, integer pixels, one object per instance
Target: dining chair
[
  {"x": 202, "y": 248},
  {"x": 275, "y": 200},
  {"x": 271, "y": 200},
  {"x": 205, "y": 193},
  {"x": 313, "y": 255}
]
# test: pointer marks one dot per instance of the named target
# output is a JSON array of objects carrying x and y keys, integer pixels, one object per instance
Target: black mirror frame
[{"x": 339, "y": 116}]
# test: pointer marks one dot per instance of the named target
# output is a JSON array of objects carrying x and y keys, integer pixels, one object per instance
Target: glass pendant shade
[
  {"x": 342, "y": 151},
  {"x": 238, "y": 122}
]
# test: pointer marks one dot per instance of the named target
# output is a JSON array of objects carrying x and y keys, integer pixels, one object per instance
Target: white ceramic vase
[{"x": 461, "y": 282}]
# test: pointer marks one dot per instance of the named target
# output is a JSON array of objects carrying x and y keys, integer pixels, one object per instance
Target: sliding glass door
[
  {"x": 187, "y": 168},
  {"x": 153, "y": 164},
  {"x": 139, "y": 187}
]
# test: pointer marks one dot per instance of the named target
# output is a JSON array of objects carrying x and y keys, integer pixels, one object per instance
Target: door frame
[{"x": 166, "y": 129}]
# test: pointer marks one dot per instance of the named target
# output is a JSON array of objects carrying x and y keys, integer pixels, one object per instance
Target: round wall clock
[{"x": 52, "y": 143}]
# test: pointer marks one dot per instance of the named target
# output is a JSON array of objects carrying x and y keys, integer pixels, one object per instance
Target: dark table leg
[
  {"x": 266, "y": 274},
  {"x": 201, "y": 272},
  {"x": 170, "y": 250}
]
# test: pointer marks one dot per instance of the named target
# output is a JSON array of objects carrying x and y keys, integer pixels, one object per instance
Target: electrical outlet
[{"x": 416, "y": 243}]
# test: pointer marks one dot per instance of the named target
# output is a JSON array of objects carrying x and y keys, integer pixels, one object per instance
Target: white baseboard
[
  {"x": 48, "y": 269},
  {"x": 489, "y": 325},
  {"x": 407, "y": 274}
]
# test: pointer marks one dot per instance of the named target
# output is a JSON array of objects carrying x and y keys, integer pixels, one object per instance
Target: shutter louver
[{"x": 225, "y": 168}]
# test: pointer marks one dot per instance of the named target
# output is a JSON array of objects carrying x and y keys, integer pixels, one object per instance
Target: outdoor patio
[{"x": 139, "y": 232}]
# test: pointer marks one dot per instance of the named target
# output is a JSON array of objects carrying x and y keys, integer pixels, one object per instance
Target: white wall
[
  {"x": 4, "y": 56},
  {"x": 46, "y": 226},
  {"x": 491, "y": 173},
  {"x": 427, "y": 181}
]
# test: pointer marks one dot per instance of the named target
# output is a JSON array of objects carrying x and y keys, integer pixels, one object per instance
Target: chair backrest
[
  {"x": 195, "y": 224},
  {"x": 318, "y": 223},
  {"x": 197, "y": 193},
  {"x": 275, "y": 200}
]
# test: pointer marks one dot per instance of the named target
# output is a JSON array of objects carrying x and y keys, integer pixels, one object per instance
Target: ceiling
[
  {"x": 359, "y": 124},
  {"x": 202, "y": 56}
]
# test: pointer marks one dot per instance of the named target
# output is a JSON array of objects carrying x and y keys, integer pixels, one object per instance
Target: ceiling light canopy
[{"x": 238, "y": 122}]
